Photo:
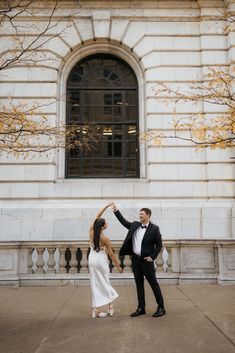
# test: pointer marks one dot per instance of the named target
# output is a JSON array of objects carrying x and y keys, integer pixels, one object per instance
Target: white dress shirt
[{"x": 137, "y": 239}]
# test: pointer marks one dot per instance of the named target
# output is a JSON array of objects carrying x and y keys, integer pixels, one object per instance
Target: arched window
[{"x": 103, "y": 89}]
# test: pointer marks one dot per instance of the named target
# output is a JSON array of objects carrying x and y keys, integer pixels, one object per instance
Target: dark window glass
[{"x": 102, "y": 89}]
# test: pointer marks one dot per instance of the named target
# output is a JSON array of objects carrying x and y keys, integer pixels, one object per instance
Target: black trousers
[{"x": 142, "y": 268}]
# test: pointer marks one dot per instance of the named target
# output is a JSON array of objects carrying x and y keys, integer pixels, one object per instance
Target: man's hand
[{"x": 149, "y": 259}]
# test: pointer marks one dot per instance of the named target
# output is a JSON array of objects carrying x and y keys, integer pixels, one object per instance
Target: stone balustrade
[{"x": 60, "y": 262}]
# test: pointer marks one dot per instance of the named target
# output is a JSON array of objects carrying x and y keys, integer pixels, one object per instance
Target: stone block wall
[{"x": 175, "y": 42}]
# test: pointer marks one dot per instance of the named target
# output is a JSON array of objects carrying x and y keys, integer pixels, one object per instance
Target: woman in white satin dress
[{"x": 100, "y": 247}]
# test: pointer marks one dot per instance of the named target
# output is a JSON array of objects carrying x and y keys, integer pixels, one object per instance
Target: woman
[{"x": 100, "y": 247}]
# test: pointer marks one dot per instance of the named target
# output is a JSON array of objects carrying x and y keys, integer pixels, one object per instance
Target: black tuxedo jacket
[{"x": 151, "y": 243}]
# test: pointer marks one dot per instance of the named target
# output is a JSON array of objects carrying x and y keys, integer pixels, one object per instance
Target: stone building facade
[{"x": 191, "y": 193}]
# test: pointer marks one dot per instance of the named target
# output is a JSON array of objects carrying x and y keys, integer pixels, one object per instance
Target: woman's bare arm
[
  {"x": 99, "y": 214},
  {"x": 108, "y": 245}
]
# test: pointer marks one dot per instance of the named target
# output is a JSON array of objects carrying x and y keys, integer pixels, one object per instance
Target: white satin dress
[{"x": 102, "y": 291}]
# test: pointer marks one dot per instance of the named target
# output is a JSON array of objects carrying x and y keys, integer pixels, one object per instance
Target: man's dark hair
[{"x": 147, "y": 211}]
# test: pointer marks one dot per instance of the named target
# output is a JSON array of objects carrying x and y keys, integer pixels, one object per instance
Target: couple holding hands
[{"x": 143, "y": 242}]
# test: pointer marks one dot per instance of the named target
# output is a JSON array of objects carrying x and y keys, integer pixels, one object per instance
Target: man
[{"x": 144, "y": 243}]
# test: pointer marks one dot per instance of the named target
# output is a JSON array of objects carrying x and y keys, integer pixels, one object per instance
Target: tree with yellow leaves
[
  {"x": 24, "y": 130},
  {"x": 215, "y": 88},
  {"x": 23, "y": 127}
]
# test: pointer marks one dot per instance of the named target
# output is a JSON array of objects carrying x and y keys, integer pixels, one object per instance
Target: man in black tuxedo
[{"x": 143, "y": 242}]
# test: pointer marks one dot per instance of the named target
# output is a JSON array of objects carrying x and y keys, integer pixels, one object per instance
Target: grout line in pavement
[
  {"x": 132, "y": 321},
  {"x": 206, "y": 316},
  {"x": 53, "y": 321}
]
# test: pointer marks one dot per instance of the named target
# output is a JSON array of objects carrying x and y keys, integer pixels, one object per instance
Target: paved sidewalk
[{"x": 200, "y": 319}]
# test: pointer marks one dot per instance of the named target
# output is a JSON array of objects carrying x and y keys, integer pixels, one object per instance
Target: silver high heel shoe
[
  {"x": 99, "y": 314},
  {"x": 110, "y": 310}
]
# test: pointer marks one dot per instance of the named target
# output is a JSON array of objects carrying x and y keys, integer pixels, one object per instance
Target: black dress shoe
[
  {"x": 138, "y": 312},
  {"x": 160, "y": 312}
]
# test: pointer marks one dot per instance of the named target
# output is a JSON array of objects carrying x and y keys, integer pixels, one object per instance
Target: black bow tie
[{"x": 143, "y": 227}]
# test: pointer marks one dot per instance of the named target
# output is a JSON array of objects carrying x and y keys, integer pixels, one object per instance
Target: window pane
[
  {"x": 108, "y": 99},
  {"x": 108, "y": 147},
  {"x": 73, "y": 107},
  {"x": 75, "y": 77},
  {"x": 107, "y": 131},
  {"x": 131, "y": 113},
  {"x": 117, "y": 166},
  {"x": 130, "y": 149},
  {"x": 117, "y": 149},
  {"x": 97, "y": 150},
  {"x": 130, "y": 168},
  {"x": 117, "y": 99},
  {"x": 108, "y": 167},
  {"x": 93, "y": 96},
  {"x": 131, "y": 98},
  {"x": 117, "y": 113},
  {"x": 97, "y": 167},
  {"x": 131, "y": 132},
  {"x": 117, "y": 132},
  {"x": 87, "y": 167},
  {"x": 93, "y": 114},
  {"x": 73, "y": 167}
]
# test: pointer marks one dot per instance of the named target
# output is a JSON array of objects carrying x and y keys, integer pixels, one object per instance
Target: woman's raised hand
[
  {"x": 114, "y": 207},
  {"x": 111, "y": 204}
]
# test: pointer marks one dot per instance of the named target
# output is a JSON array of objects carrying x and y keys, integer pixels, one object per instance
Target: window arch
[{"x": 103, "y": 89}]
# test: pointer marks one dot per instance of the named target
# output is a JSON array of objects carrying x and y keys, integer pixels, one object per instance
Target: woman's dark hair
[{"x": 98, "y": 224}]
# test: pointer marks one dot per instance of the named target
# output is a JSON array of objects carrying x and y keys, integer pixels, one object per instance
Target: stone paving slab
[{"x": 200, "y": 318}]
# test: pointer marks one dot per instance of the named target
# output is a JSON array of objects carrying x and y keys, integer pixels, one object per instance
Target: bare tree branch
[{"x": 24, "y": 128}]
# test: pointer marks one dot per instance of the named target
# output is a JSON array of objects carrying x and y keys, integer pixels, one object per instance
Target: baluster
[
  {"x": 127, "y": 263},
  {"x": 79, "y": 259},
  {"x": 67, "y": 259},
  {"x": 34, "y": 259},
  {"x": 175, "y": 259},
  {"x": 155, "y": 264},
  {"x": 51, "y": 262},
  {"x": 169, "y": 260},
  {"x": 57, "y": 260},
  {"x": 84, "y": 262},
  {"x": 73, "y": 261},
  {"x": 40, "y": 261},
  {"x": 62, "y": 263},
  {"x": 165, "y": 258},
  {"x": 45, "y": 257},
  {"x": 30, "y": 261},
  {"x": 158, "y": 262}
]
